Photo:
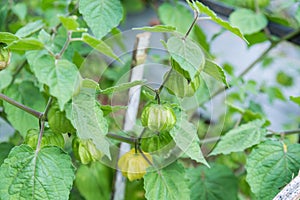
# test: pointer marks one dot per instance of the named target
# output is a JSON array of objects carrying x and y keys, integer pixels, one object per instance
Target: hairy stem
[{"x": 21, "y": 106}]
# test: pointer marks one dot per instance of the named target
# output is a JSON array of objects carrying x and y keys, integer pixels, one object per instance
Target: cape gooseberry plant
[{"x": 67, "y": 141}]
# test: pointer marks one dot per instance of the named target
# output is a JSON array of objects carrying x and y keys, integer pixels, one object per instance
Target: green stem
[
  {"x": 121, "y": 138},
  {"x": 42, "y": 123},
  {"x": 42, "y": 127},
  {"x": 157, "y": 97},
  {"x": 150, "y": 88},
  {"x": 21, "y": 106},
  {"x": 47, "y": 107},
  {"x": 145, "y": 157},
  {"x": 64, "y": 48},
  {"x": 141, "y": 136},
  {"x": 164, "y": 82},
  {"x": 14, "y": 76},
  {"x": 192, "y": 25}
]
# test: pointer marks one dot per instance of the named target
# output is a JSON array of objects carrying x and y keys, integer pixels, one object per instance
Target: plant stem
[
  {"x": 150, "y": 88},
  {"x": 14, "y": 76},
  {"x": 192, "y": 25},
  {"x": 273, "y": 44},
  {"x": 141, "y": 136},
  {"x": 42, "y": 127},
  {"x": 75, "y": 39},
  {"x": 64, "y": 48},
  {"x": 42, "y": 124},
  {"x": 257, "y": 60},
  {"x": 145, "y": 157},
  {"x": 164, "y": 82},
  {"x": 21, "y": 106},
  {"x": 287, "y": 132},
  {"x": 157, "y": 97},
  {"x": 47, "y": 107},
  {"x": 121, "y": 138},
  {"x": 210, "y": 140}
]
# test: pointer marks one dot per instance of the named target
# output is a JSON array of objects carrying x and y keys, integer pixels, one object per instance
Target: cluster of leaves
[{"x": 52, "y": 104}]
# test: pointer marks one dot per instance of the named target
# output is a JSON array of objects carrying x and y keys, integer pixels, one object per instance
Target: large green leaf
[
  {"x": 27, "y": 174},
  {"x": 87, "y": 117},
  {"x": 61, "y": 76},
  {"x": 30, "y": 28},
  {"x": 270, "y": 166},
  {"x": 6, "y": 37},
  {"x": 4, "y": 150},
  {"x": 94, "y": 181},
  {"x": 20, "y": 9},
  {"x": 30, "y": 96},
  {"x": 5, "y": 79},
  {"x": 204, "y": 9},
  {"x": 214, "y": 70},
  {"x": 178, "y": 16},
  {"x": 101, "y": 15},
  {"x": 248, "y": 21},
  {"x": 187, "y": 54},
  {"x": 185, "y": 136},
  {"x": 215, "y": 183},
  {"x": 69, "y": 23},
  {"x": 99, "y": 45},
  {"x": 241, "y": 138},
  {"x": 167, "y": 184},
  {"x": 26, "y": 44}
]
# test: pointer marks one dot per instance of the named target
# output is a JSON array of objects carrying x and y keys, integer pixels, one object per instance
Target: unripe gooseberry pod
[{"x": 158, "y": 117}]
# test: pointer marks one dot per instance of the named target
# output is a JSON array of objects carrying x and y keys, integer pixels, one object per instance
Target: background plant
[{"x": 50, "y": 103}]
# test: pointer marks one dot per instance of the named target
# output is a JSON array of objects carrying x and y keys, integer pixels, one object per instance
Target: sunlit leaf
[
  {"x": 27, "y": 174},
  {"x": 248, "y": 21},
  {"x": 214, "y": 70},
  {"x": 185, "y": 136},
  {"x": 167, "y": 184},
  {"x": 101, "y": 15},
  {"x": 270, "y": 166},
  {"x": 30, "y": 28},
  {"x": 87, "y": 117},
  {"x": 99, "y": 45},
  {"x": 187, "y": 54},
  {"x": 215, "y": 183},
  {"x": 61, "y": 76},
  {"x": 241, "y": 138},
  {"x": 204, "y": 9}
]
